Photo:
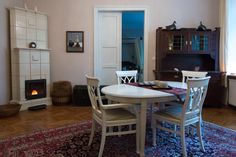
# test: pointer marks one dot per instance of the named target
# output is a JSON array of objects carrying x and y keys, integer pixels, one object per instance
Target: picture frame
[{"x": 75, "y": 41}]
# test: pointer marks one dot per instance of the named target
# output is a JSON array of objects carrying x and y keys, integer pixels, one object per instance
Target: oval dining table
[{"x": 125, "y": 93}]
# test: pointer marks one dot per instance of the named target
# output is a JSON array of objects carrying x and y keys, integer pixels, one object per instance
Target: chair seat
[
  {"x": 119, "y": 114},
  {"x": 172, "y": 113}
]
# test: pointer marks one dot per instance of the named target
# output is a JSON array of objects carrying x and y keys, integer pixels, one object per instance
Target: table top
[
  {"x": 177, "y": 84},
  {"x": 129, "y": 91}
]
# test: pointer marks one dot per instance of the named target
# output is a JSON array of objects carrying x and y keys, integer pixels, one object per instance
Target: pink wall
[
  {"x": 78, "y": 15},
  {"x": 5, "y": 79}
]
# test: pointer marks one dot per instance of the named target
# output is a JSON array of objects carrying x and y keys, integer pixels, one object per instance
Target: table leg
[{"x": 142, "y": 125}]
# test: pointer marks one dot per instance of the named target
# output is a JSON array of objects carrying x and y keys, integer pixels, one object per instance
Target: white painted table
[
  {"x": 177, "y": 84},
  {"x": 138, "y": 95}
]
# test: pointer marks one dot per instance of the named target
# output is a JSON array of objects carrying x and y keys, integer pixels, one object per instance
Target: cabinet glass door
[
  {"x": 200, "y": 43},
  {"x": 176, "y": 43}
]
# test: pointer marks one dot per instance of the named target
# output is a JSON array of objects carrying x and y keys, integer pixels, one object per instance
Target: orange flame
[{"x": 34, "y": 92}]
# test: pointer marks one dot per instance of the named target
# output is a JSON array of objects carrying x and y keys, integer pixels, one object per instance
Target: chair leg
[
  {"x": 161, "y": 106},
  {"x": 102, "y": 141},
  {"x": 136, "y": 111},
  {"x": 187, "y": 129},
  {"x": 137, "y": 138},
  {"x": 109, "y": 101},
  {"x": 132, "y": 109},
  {"x": 175, "y": 128},
  {"x": 182, "y": 134},
  {"x": 110, "y": 129},
  {"x": 199, "y": 132},
  {"x": 92, "y": 133},
  {"x": 151, "y": 110},
  {"x": 192, "y": 129},
  {"x": 130, "y": 127},
  {"x": 119, "y": 129},
  {"x": 154, "y": 132}
]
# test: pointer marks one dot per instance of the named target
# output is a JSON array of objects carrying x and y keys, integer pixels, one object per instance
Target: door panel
[
  {"x": 109, "y": 55},
  {"x": 109, "y": 29}
]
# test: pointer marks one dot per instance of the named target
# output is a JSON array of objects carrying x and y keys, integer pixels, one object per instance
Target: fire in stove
[
  {"x": 34, "y": 92},
  {"x": 35, "y": 89}
]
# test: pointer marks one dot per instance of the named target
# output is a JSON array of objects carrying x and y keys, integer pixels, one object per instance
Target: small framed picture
[{"x": 74, "y": 41}]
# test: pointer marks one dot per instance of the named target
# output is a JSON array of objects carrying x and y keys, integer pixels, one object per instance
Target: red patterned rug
[
  {"x": 41, "y": 143},
  {"x": 72, "y": 140}
]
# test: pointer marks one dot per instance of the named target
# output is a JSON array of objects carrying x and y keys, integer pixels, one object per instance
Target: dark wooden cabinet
[{"x": 189, "y": 49}]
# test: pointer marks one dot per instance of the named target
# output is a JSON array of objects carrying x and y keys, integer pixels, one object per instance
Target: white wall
[
  {"x": 77, "y": 15},
  {"x": 5, "y": 79}
]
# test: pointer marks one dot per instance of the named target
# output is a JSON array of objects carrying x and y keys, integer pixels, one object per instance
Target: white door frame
[{"x": 98, "y": 9}]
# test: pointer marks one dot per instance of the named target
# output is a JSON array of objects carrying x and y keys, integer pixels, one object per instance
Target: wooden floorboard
[
  {"x": 225, "y": 116},
  {"x": 56, "y": 116},
  {"x": 52, "y": 117}
]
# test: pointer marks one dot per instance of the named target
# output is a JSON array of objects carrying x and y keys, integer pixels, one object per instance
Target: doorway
[
  {"x": 132, "y": 42},
  {"x": 131, "y": 48}
]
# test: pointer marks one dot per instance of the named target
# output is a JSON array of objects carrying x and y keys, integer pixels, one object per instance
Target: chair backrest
[
  {"x": 192, "y": 74},
  {"x": 94, "y": 93},
  {"x": 126, "y": 76},
  {"x": 196, "y": 93}
]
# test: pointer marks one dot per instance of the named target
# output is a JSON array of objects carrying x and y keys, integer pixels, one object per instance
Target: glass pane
[
  {"x": 200, "y": 43},
  {"x": 231, "y": 55},
  {"x": 176, "y": 42}
]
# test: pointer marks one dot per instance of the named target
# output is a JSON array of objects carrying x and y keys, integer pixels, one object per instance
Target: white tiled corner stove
[{"x": 30, "y": 67}]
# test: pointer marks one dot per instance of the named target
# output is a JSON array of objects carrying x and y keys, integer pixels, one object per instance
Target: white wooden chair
[
  {"x": 186, "y": 75},
  {"x": 111, "y": 115},
  {"x": 187, "y": 114},
  {"x": 126, "y": 76},
  {"x": 192, "y": 74}
]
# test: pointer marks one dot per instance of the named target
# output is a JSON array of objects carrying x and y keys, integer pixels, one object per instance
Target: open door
[{"x": 108, "y": 57}]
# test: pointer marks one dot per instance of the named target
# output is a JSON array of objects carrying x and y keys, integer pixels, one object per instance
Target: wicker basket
[
  {"x": 61, "y": 100},
  {"x": 61, "y": 89},
  {"x": 61, "y": 92},
  {"x": 9, "y": 109}
]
